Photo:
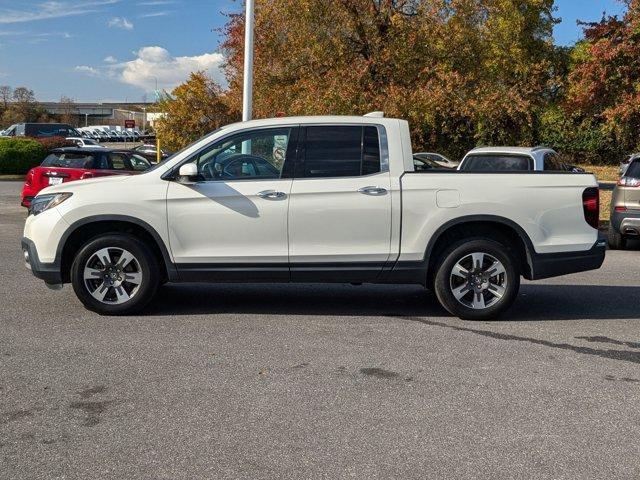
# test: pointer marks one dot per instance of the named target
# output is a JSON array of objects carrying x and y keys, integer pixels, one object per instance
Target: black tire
[
  {"x": 616, "y": 240},
  {"x": 509, "y": 281},
  {"x": 147, "y": 271}
]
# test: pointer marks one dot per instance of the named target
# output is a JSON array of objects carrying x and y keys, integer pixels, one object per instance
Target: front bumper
[
  {"x": 557, "y": 264},
  {"x": 51, "y": 273}
]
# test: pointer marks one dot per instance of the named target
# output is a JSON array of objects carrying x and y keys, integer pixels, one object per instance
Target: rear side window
[
  {"x": 69, "y": 160},
  {"x": 492, "y": 162},
  {"x": 341, "y": 151},
  {"x": 118, "y": 161},
  {"x": 634, "y": 170},
  {"x": 553, "y": 163}
]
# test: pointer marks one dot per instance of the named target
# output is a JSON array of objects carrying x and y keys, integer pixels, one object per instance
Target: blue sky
[{"x": 102, "y": 50}]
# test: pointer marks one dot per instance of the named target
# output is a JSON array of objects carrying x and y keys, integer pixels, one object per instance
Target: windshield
[
  {"x": 497, "y": 162},
  {"x": 165, "y": 160},
  {"x": 634, "y": 169},
  {"x": 68, "y": 160}
]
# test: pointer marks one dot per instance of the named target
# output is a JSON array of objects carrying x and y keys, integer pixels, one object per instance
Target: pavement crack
[{"x": 619, "y": 355}]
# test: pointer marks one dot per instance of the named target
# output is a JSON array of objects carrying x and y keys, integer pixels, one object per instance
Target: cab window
[
  {"x": 258, "y": 154},
  {"x": 340, "y": 151}
]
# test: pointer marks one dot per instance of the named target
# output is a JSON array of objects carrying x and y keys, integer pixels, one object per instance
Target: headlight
[{"x": 44, "y": 202}]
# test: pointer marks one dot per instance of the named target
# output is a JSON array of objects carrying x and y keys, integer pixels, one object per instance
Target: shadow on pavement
[{"x": 535, "y": 303}]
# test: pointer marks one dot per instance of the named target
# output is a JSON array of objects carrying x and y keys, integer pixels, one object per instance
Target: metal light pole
[{"x": 247, "y": 94}]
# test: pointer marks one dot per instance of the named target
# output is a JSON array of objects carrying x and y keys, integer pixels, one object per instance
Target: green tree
[{"x": 604, "y": 84}]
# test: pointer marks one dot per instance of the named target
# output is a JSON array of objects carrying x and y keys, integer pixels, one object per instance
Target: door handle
[
  {"x": 375, "y": 191},
  {"x": 271, "y": 194}
]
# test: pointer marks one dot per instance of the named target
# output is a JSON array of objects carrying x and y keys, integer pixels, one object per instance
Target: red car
[{"x": 68, "y": 164}]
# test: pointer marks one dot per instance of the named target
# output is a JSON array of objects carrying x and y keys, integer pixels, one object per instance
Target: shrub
[
  {"x": 49, "y": 143},
  {"x": 18, "y": 155}
]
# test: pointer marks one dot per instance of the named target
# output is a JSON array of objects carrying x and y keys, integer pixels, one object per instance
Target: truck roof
[
  {"x": 311, "y": 119},
  {"x": 516, "y": 150}
]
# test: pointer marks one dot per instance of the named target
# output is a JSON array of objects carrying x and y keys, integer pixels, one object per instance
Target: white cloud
[
  {"x": 110, "y": 59},
  {"x": 52, "y": 9},
  {"x": 156, "y": 63},
  {"x": 87, "y": 70},
  {"x": 120, "y": 22},
  {"x": 154, "y": 14},
  {"x": 155, "y": 3}
]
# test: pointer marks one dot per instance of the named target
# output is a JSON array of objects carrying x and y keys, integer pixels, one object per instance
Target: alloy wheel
[
  {"x": 478, "y": 280},
  {"x": 112, "y": 275}
]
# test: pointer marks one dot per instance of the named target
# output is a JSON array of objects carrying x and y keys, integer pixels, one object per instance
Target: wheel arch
[
  {"x": 83, "y": 230},
  {"x": 477, "y": 225}
]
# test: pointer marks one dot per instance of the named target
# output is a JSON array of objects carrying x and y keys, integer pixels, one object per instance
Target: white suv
[{"x": 515, "y": 159}]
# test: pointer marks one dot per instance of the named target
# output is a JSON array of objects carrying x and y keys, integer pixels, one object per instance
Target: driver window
[{"x": 259, "y": 154}]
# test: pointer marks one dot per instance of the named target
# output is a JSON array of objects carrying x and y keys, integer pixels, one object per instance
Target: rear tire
[
  {"x": 115, "y": 274},
  {"x": 477, "y": 279},
  {"x": 616, "y": 240}
]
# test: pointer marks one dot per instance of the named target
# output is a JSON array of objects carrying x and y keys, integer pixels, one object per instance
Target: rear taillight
[
  {"x": 591, "y": 206},
  {"x": 620, "y": 209},
  {"x": 28, "y": 179},
  {"x": 629, "y": 182}
]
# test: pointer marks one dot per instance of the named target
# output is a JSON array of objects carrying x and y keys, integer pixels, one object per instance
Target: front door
[
  {"x": 340, "y": 207},
  {"x": 232, "y": 223}
]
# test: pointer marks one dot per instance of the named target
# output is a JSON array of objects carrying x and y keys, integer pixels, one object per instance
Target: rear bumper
[
  {"x": 626, "y": 223},
  {"x": 557, "y": 264},
  {"x": 49, "y": 272}
]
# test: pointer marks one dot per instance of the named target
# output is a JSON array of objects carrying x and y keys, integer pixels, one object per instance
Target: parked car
[
  {"x": 624, "y": 165},
  {"x": 84, "y": 142},
  {"x": 63, "y": 165},
  {"x": 625, "y": 208},
  {"x": 515, "y": 159},
  {"x": 437, "y": 158},
  {"x": 42, "y": 130},
  {"x": 422, "y": 163},
  {"x": 340, "y": 202},
  {"x": 150, "y": 152}
]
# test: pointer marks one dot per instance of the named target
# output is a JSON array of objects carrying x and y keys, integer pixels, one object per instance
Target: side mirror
[{"x": 188, "y": 173}]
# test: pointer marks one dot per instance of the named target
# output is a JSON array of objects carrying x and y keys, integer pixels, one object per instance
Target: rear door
[{"x": 340, "y": 207}]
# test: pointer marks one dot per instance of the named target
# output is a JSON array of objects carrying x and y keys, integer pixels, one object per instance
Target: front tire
[
  {"x": 115, "y": 274},
  {"x": 477, "y": 279}
]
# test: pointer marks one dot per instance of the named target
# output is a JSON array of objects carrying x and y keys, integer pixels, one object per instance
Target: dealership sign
[{"x": 129, "y": 124}]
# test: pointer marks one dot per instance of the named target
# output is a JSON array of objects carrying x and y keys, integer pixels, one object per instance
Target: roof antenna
[{"x": 375, "y": 114}]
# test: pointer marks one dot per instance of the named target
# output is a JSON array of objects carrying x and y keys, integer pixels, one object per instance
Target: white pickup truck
[{"x": 312, "y": 199}]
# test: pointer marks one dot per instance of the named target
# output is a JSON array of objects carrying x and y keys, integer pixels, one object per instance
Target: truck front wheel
[
  {"x": 477, "y": 279},
  {"x": 115, "y": 274}
]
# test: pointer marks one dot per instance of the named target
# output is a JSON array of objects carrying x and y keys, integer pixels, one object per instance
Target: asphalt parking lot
[{"x": 306, "y": 381}]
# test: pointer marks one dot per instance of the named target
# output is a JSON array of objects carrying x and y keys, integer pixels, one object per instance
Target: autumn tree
[
  {"x": 69, "y": 111},
  {"x": 6, "y": 92},
  {"x": 461, "y": 71},
  {"x": 23, "y": 107},
  {"x": 196, "y": 108},
  {"x": 604, "y": 84}
]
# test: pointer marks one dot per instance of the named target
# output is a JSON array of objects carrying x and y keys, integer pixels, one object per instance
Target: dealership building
[{"x": 87, "y": 114}]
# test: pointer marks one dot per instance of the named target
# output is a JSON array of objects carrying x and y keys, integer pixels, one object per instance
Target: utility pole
[{"x": 247, "y": 94}]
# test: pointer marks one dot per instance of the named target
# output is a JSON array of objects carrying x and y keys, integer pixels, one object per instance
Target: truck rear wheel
[
  {"x": 477, "y": 279},
  {"x": 115, "y": 274}
]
